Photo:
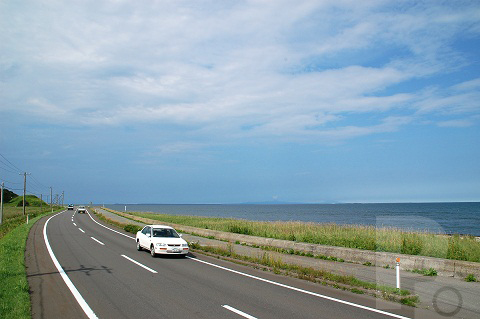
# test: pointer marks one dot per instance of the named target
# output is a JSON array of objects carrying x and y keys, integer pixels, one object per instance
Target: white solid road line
[
  {"x": 141, "y": 265},
  {"x": 86, "y": 308},
  {"x": 393, "y": 315},
  {"x": 81, "y": 230},
  {"x": 98, "y": 241},
  {"x": 302, "y": 290},
  {"x": 110, "y": 228},
  {"x": 238, "y": 312}
]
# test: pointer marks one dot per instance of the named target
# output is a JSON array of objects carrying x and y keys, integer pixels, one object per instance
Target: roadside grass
[
  {"x": 299, "y": 253},
  {"x": 131, "y": 228},
  {"x": 426, "y": 272},
  {"x": 372, "y": 238},
  {"x": 14, "y": 288},
  {"x": 13, "y": 216}
]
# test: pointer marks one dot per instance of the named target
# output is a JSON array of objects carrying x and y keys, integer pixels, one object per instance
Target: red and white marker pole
[{"x": 397, "y": 267}]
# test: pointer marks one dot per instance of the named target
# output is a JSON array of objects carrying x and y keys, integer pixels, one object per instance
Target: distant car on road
[
  {"x": 70, "y": 207},
  {"x": 160, "y": 239},
  {"x": 81, "y": 210}
]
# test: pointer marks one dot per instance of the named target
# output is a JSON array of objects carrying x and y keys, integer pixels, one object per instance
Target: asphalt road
[{"x": 114, "y": 280}]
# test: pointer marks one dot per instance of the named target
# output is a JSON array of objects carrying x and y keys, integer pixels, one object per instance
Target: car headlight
[
  {"x": 161, "y": 245},
  {"x": 184, "y": 245}
]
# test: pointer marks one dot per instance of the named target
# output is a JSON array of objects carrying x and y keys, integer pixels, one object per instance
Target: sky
[{"x": 241, "y": 101}]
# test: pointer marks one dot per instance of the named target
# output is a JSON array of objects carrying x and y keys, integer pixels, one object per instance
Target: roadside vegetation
[
  {"x": 131, "y": 228},
  {"x": 13, "y": 212},
  {"x": 426, "y": 272},
  {"x": 14, "y": 289},
  {"x": 351, "y": 236}
]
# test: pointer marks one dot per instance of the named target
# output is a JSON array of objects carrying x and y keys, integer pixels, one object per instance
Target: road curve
[{"x": 116, "y": 281}]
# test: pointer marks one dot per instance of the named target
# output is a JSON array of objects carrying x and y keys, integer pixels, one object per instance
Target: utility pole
[
  {"x": 51, "y": 199},
  {"x": 41, "y": 203},
  {"x": 63, "y": 197},
  {"x": 1, "y": 204},
  {"x": 24, "y": 189}
]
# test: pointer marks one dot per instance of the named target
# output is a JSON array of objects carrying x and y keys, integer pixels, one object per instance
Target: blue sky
[{"x": 241, "y": 101}]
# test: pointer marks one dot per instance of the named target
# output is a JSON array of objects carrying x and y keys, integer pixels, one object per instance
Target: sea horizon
[
  {"x": 436, "y": 217},
  {"x": 296, "y": 203}
]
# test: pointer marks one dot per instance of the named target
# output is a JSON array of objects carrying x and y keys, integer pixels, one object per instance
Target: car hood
[{"x": 168, "y": 241}]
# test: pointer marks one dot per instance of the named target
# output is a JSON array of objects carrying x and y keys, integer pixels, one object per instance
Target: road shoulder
[{"x": 47, "y": 289}]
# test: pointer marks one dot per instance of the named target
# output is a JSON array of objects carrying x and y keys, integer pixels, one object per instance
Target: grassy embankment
[
  {"x": 14, "y": 289},
  {"x": 351, "y": 236}
]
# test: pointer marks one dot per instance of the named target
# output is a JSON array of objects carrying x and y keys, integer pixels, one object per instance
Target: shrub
[
  {"x": 430, "y": 272},
  {"x": 455, "y": 249},
  {"x": 132, "y": 228},
  {"x": 471, "y": 278},
  {"x": 20, "y": 203},
  {"x": 239, "y": 229},
  {"x": 410, "y": 301},
  {"x": 426, "y": 272},
  {"x": 411, "y": 244}
]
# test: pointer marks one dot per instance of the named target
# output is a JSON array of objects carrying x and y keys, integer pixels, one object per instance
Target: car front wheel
[
  {"x": 139, "y": 248},
  {"x": 152, "y": 251}
]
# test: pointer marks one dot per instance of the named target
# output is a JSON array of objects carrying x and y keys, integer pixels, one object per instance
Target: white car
[
  {"x": 81, "y": 210},
  {"x": 160, "y": 239}
]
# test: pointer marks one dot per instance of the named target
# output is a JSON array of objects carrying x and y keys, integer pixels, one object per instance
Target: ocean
[{"x": 443, "y": 218}]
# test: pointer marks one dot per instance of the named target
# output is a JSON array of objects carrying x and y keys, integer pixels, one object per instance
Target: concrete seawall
[{"x": 444, "y": 267}]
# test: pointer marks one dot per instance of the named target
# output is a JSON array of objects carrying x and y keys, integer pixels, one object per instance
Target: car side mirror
[
  {"x": 148, "y": 235},
  {"x": 181, "y": 235}
]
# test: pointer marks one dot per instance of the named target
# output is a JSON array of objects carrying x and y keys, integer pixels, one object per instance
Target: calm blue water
[{"x": 445, "y": 218}]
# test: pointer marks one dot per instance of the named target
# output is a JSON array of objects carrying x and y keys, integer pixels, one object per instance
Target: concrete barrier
[{"x": 444, "y": 267}]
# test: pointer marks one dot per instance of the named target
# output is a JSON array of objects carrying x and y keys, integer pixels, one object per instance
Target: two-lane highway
[{"x": 114, "y": 280}]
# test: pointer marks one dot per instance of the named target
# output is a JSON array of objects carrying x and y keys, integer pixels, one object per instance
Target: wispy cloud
[
  {"x": 283, "y": 69},
  {"x": 456, "y": 123}
]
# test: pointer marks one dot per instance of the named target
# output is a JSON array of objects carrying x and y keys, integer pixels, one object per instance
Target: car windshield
[
  {"x": 81, "y": 206},
  {"x": 165, "y": 232}
]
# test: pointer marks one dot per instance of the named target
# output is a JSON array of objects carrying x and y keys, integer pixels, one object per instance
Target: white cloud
[
  {"x": 456, "y": 123},
  {"x": 468, "y": 85},
  {"x": 281, "y": 69}
]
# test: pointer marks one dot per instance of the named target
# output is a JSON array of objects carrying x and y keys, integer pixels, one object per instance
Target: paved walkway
[{"x": 448, "y": 296}]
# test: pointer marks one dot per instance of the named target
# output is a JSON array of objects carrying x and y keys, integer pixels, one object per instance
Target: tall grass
[
  {"x": 351, "y": 236},
  {"x": 14, "y": 289},
  {"x": 13, "y": 216}
]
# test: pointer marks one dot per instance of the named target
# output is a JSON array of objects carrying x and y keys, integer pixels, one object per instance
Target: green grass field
[
  {"x": 350, "y": 236},
  {"x": 14, "y": 289}
]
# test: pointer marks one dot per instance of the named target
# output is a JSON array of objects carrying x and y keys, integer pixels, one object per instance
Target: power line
[
  {"x": 18, "y": 170},
  {"x": 4, "y": 180},
  {"x": 35, "y": 186},
  {"x": 8, "y": 170},
  {"x": 32, "y": 193},
  {"x": 35, "y": 189},
  {"x": 38, "y": 183}
]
